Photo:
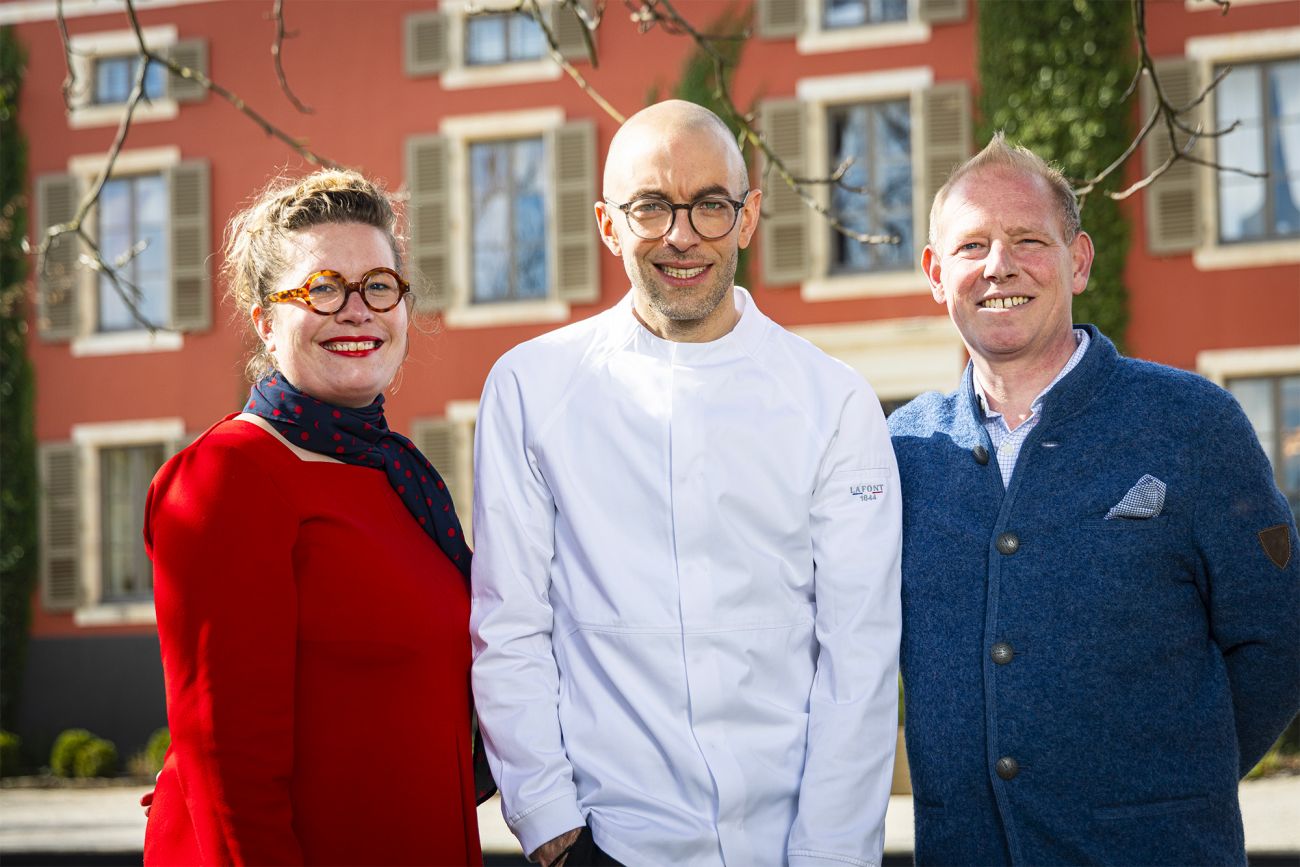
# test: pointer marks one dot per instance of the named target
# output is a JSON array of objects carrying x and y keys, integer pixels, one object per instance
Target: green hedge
[
  {"x": 18, "y": 494},
  {"x": 98, "y": 758},
  {"x": 78, "y": 753},
  {"x": 10, "y": 754}
]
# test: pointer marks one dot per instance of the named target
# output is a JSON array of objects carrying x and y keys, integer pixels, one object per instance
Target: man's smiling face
[
  {"x": 1004, "y": 268},
  {"x": 680, "y": 279}
]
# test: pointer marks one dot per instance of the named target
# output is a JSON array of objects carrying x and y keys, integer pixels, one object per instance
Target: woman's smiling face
[{"x": 348, "y": 357}]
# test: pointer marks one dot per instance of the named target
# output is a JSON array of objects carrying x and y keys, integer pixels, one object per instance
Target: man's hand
[{"x": 554, "y": 852}]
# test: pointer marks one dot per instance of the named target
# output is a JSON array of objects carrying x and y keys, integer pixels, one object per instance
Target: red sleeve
[{"x": 221, "y": 535}]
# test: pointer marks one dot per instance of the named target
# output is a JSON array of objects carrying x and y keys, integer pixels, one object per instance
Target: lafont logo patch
[{"x": 867, "y": 492}]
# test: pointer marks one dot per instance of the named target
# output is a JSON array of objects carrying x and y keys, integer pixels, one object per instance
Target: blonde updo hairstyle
[{"x": 256, "y": 238}]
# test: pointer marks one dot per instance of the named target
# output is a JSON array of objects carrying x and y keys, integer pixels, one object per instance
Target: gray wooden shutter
[
  {"x": 569, "y": 32},
  {"x": 1173, "y": 205},
  {"x": 449, "y": 446},
  {"x": 188, "y": 183},
  {"x": 944, "y": 137},
  {"x": 574, "y": 250},
  {"x": 784, "y": 227},
  {"x": 428, "y": 179},
  {"x": 779, "y": 19},
  {"x": 56, "y": 309},
  {"x": 942, "y": 11},
  {"x": 425, "y": 38},
  {"x": 60, "y": 526},
  {"x": 191, "y": 53}
]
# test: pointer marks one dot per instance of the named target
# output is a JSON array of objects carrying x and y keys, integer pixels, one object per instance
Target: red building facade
[{"x": 499, "y": 154}]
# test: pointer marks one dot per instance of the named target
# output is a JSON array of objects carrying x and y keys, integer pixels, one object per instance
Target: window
[
  {"x": 502, "y": 230},
  {"x": 124, "y": 476},
  {"x": 103, "y": 66},
  {"x": 822, "y": 26},
  {"x": 152, "y": 221},
  {"x": 902, "y": 135},
  {"x": 508, "y": 234},
  {"x": 502, "y": 38},
  {"x": 1264, "y": 99},
  {"x": 876, "y": 194},
  {"x": 92, "y": 501},
  {"x": 114, "y": 77},
  {"x": 489, "y": 43},
  {"x": 133, "y": 230},
  {"x": 855, "y": 13},
  {"x": 1225, "y": 219},
  {"x": 1272, "y": 403}
]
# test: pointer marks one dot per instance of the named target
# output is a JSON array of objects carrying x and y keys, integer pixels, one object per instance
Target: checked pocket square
[{"x": 1143, "y": 500}]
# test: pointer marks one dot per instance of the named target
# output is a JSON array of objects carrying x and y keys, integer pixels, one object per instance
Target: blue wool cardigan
[{"x": 1143, "y": 665}]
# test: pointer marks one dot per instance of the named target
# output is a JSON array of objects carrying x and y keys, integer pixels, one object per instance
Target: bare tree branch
[
  {"x": 1166, "y": 115},
  {"x": 649, "y": 13},
  {"x": 92, "y": 257},
  {"x": 70, "y": 83},
  {"x": 77, "y": 226},
  {"x": 589, "y": 23},
  {"x": 277, "y": 12}
]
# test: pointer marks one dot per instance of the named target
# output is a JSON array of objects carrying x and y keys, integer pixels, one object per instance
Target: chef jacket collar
[{"x": 740, "y": 341}]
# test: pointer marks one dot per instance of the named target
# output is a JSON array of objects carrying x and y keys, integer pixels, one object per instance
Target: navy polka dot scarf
[{"x": 361, "y": 437}]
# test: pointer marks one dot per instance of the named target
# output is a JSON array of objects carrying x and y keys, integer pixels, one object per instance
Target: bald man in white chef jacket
[{"x": 686, "y": 584}]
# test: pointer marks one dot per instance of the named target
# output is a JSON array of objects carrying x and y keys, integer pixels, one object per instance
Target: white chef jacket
[{"x": 686, "y": 595}]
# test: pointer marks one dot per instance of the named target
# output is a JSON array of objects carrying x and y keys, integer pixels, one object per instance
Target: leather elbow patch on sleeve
[{"x": 1276, "y": 542}]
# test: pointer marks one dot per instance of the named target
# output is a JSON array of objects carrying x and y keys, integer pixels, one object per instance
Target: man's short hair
[{"x": 999, "y": 154}]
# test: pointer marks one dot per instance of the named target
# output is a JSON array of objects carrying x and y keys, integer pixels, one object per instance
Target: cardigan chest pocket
[
  {"x": 1148, "y": 809},
  {"x": 1131, "y": 561},
  {"x": 1129, "y": 547}
]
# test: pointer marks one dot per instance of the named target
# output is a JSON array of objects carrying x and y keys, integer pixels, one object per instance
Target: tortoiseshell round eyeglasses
[{"x": 326, "y": 292}]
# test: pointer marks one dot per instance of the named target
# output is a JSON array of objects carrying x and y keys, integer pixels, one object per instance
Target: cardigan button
[
  {"x": 1002, "y": 652},
  {"x": 1007, "y": 767},
  {"x": 981, "y": 455},
  {"x": 1008, "y": 543}
]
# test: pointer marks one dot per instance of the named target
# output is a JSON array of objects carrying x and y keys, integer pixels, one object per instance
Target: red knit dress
[{"x": 315, "y": 645}]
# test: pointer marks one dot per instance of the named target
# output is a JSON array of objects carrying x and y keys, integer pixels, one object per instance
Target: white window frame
[
  {"x": 86, "y": 48},
  {"x": 1209, "y": 52},
  {"x": 461, "y": 132},
  {"x": 21, "y": 11},
  {"x": 900, "y": 358},
  {"x": 91, "y": 342},
  {"x": 89, "y": 440},
  {"x": 1221, "y": 365},
  {"x": 819, "y": 94},
  {"x": 813, "y": 38},
  {"x": 459, "y": 75}
]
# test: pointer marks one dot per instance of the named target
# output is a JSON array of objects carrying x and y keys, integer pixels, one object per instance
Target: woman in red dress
[{"x": 310, "y": 575}]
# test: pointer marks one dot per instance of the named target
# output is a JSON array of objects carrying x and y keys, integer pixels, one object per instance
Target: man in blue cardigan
[{"x": 1101, "y": 582}]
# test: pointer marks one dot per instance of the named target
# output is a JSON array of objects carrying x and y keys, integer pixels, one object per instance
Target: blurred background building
[{"x": 499, "y": 154}]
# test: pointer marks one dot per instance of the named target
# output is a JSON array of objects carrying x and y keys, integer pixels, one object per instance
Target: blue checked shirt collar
[{"x": 1007, "y": 442}]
